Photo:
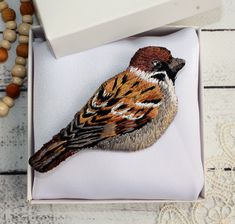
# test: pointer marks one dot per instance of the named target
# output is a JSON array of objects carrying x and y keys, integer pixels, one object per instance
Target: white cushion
[{"x": 170, "y": 169}]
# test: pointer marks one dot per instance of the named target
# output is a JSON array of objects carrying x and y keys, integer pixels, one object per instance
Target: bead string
[{"x": 18, "y": 70}]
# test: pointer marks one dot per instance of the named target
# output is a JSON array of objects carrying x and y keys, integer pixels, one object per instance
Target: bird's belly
[{"x": 145, "y": 136}]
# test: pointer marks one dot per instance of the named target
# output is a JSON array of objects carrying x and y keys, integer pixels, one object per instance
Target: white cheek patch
[
  {"x": 143, "y": 75},
  {"x": 147, "y": 76}
]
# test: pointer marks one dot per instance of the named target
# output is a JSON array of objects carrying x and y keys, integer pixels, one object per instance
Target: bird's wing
[{"x": 121, "y": 105}]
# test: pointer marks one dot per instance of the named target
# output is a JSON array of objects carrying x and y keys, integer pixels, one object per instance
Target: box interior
[{"x": 37, "y": 33}]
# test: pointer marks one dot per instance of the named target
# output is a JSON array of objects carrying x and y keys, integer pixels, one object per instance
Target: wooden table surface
[{"x": 218, "y": 69}]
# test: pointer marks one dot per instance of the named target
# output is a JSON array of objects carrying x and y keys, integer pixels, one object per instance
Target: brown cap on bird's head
[
  {"x": 154, "y": 58},
  {"x": 144, "y": 56}
]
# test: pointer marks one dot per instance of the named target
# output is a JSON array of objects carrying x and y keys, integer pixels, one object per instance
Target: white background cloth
[{"x": 170, "y": 169}]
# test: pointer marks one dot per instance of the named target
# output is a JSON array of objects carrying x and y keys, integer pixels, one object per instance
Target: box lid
[{"x": 75, "y": 25}]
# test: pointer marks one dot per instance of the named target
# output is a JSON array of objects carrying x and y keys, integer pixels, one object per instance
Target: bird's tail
[{"x": 50, "y": 155}]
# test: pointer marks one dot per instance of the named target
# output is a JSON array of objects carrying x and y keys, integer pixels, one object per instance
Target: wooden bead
[
  {"x": 8, "y": 14},
  {"x": 6, "y": 44},
  {"x": 9, "y": 35},
  {"x": 13, "y": 90},
  {"x": 26, "y": 8},
  {"x": 4, "y": 109},
  {"x": 3, "y": 5},
  {"x": 27, "y": 19},
  {"x": 24, "y": 29},
  {"x": 3, "y": 54},
  {"x": 17, "y": 80},
  {"x": 8, "y": 101},
  {"x": 11, "y": 25},
  {"x": 18, "y": 71},
  {"x": 23, "y": 39},
  {"x": 22, "y": 50},
  {"x": 20, "y": 61}
]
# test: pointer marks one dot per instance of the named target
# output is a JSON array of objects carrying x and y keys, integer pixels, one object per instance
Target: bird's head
[{"x": 156, "y": 63}]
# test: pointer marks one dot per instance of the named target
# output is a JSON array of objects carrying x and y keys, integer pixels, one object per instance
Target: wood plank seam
[
  {"x": 219, "y": 87},
  {"x": 218, "y": 30},
  {"x": 16, "y": 172}
]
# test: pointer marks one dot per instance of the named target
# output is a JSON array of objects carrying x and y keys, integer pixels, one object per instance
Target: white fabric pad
[{"x": 170, "y": 169}]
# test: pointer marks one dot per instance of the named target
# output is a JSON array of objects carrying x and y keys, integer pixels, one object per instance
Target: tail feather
[
  {"x": 50, "y": 156},
  {"x": 64, "y": 145}
]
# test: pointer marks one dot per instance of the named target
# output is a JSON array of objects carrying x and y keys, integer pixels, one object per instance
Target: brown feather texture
[{"x": 128, "y": 112}]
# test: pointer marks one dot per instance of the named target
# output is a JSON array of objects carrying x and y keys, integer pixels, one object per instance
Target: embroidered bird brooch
[{"x": 128, "y": 112}]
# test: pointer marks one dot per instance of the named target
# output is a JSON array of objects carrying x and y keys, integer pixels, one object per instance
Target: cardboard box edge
[{"x": 29, "y": 109}]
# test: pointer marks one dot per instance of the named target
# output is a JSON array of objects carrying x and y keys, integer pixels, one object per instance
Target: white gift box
[
  {"x": 74, "y": 44},
  {"x": 75, "y": 25}
]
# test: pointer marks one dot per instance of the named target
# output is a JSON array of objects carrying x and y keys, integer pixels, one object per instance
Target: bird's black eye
[{"x": 156, "y": 64}]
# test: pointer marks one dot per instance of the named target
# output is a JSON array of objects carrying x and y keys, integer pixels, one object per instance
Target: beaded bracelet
[{"x": 18, "y": 70}]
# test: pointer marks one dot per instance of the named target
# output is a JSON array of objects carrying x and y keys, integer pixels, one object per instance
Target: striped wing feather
[{"x": 121, "y": 105}]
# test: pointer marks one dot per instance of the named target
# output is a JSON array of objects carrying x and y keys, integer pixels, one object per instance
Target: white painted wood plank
[
  {"x": 219, "y": 110},
  {"x": 13, "y": 137},
  {"x": 14, "y": 209},
  {"x": 220, "y": 18},
  {"x": 218, "y": 58}
]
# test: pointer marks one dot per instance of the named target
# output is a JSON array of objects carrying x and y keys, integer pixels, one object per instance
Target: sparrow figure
[{"x": 128, "y": 112}]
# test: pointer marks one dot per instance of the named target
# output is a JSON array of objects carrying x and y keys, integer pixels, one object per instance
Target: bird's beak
[{"x": 176, "y": 64}]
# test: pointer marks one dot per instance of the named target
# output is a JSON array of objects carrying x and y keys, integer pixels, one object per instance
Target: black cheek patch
[{"x": 159, "y": 76}]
